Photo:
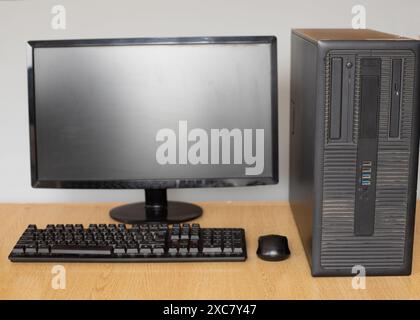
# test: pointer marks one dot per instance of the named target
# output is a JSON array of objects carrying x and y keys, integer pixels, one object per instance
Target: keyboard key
[
  {"x": 119, "y": 250},
  {"x": 212, "y": 249},
  {"x": 43, "y": 249},
  {"x": 90, "y": 250},
  {"x": 237, "y": 250},
  {"x": 159, "y": 250},
  {"x": 183, "y": 249},
  {"x": 193, "y": 250},
  {"x": 173, "y": 250},
  {"x": 227, "y": 250},
  {"x": 132, "y": 250},
  {"x": 154, "y": 227},
  {"x": 31, "y": 249},
  {"x": 145, "y": 249},
  {"x": 160, "y": 239},
  {"x": 206, "y": 243},
  {"x": 18, "y": 249}
]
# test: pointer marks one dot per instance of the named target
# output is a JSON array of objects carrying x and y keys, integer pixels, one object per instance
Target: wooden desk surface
[{"x": 253, "y": 279}]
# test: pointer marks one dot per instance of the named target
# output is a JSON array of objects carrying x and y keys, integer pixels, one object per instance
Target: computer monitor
[{"x": 153, "y": 113}]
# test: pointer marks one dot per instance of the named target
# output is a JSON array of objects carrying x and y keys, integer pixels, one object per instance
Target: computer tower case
[{"x": 354, "y": 149}]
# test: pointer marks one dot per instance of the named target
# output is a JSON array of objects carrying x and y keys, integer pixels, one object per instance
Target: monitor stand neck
[{"x": 156, "y": 208}]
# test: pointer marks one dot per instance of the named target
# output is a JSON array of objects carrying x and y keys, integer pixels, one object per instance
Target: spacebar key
[{"x": 64, "y": 250}]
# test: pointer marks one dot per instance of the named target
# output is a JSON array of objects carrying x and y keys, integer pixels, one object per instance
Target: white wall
[{"x": 30, "y": 20}]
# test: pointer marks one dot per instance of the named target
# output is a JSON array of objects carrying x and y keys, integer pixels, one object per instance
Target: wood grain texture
[{"x": 253, "y": 279}]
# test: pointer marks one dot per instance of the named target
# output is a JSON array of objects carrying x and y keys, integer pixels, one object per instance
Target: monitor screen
[{"x": 179, "y": 111}]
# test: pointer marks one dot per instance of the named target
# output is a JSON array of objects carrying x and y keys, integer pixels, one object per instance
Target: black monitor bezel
[{"x": 155, "y": 183}]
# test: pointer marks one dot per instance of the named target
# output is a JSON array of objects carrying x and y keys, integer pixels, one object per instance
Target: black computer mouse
[{"x": 273, "y": 248}]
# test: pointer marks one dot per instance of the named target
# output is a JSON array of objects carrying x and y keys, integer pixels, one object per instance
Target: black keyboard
[{"x": 153, "y": 242}]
